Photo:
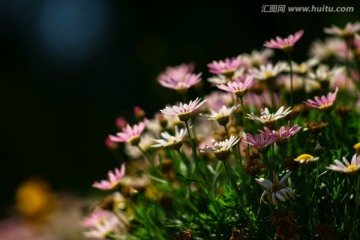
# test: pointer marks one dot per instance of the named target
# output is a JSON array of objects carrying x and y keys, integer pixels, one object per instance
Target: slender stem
[
  {"x": 150, "y": 160},
  {"x": 226, "y": 130},
  {"x": 291, "y": 80},
  {"x": 196, "y": 160},
  {"x": 243, "y": 111},
  {"x": 232, "y": 180}
]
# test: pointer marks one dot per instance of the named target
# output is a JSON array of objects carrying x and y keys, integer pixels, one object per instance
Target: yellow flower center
[
  {"x": 304, "y": 157},
  {"x": 268, "y": 74},
  {"x": 352, "y": 167}
]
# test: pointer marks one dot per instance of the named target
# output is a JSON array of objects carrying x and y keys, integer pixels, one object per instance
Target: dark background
[{"x": 70, "y": 67}]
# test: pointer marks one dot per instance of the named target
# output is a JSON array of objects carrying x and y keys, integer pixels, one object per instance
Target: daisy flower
[
  {"x": 180, "y": 83},
  {"x": 130, "y": 134},
  {"x": 102, "y": 229},
  {"x": 285, "y": 44},
  {"x": 114, "y": 178},
  {"x": 331, "y": 47},
  {"x": 226, "y": 67},
  {"x": 222, "y": 116},
  {"x": 168, "y": 140},
  {"x": 275, "y": 189},
  {"x": 304, "y": 67},
  {"x": 95, "y": 218},
  {"x": 238, "y": 87},
  {"x": 221, "y": 149},
  {"x": 323, "y": 102},
  {"x": 349, "y": 30},
  {"x": 269, "y": 71},
  {"x": 184, "y": 111},
  {"x": 346, "y": 167},
  {"x": 258, "y": 58},
  {"x": 269, "y": 119},
  {"x": 324, "y": 74},
  {"x": 286, "y": 132},
  {"x": 176, "y": 72},
  {"x": 306, "y": 158},
  {"x": 261, "y": 140}
]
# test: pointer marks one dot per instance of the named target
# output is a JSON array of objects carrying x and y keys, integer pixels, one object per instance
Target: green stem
[
  {"x": 196, "y": 160},
  {"x": 291, "y": 80}
]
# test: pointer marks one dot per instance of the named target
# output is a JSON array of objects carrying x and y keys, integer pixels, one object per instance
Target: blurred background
[{"x": 69, "y": 68}]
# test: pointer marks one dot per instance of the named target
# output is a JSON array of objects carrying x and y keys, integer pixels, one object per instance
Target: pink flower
[
  {"x": 114, "y": 178},
  {"x": 349, "y": 30},
  {"x": 180, "y": 83},
  {"x": 183, "y": 111},
  {"x": 261, "y": 140},
  {"x": 284, "y": 133},
  {"x": 176, "y": 72},
  {"x": 323, "y": 102},
  {"x": 130, "y": 134},
  {"x": 238, "y": 87},
  {"x": 95, "y": 218},
  {"x": 285, "y": 44},
  {"x": 227, "y": 67}
]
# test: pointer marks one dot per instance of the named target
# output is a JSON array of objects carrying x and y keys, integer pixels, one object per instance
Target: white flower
[
  {"x": 303, "y": 67},
  {"x": 221, "y": 149},
  {"x": 346, "y": 167},
  {"x": 268, "y": 118},
  {"x": 257, "y": 58},
  {"x": 104, "y": 228},
  {"x": 184, "y": 111},
  {"x": 275, "y": 189},
  {"x": 169, "y": 140},
  {"x": 269, "y": 71}
]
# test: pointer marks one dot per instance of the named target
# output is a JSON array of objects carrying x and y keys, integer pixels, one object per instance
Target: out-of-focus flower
[
  {"x": 145, "y": 143},
  {"x": 298, "y": 83},
  {"x": 268, "y": 72},
  {"x": 238, "y": 87},
  {"x": 357, "y": 148},
  {"x": 34, "y": 200},
  {"x": 184, "y": 111},
  {"x": 176, "y": 72},
  {"x": 257, "y": 58},
  {"x": 306, "y": 158},
  {"x": 263, "y": 100},
  {"x": 226, "y": 67},
  {"x": 168, "y": 140},
  {"x": 95, "y": 218},
  {"x": 139, "y": 113},
  {"x": 324, "y": 75},
  {"x": 221, "y": 149},
  {"x": 346, "y": 166},
  {"x": 261, "y": 140},
  {"x": 323, "y": 102},
  {"x": 102, "y": 229},
  {"x": 114, "y": 178},
  {"x": 269, "y": 119},
  {"x": 217, "y": 99},
  {"x": 222, "y": 116},
  {"x": 349, "y": 30},
  {"x": 285, "y": 44},
  {"x": 331, "y": 47},
  {"x": 304, "y": 67},
  {"x": 110, "y": 144},
  {"x": 357, "y": 45},
  {"x": 181, "y": 84},
  {"x": 275, "y": 189},
  {"x": 130, "y": 134},
  {"x": 120, "y": 122}
]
